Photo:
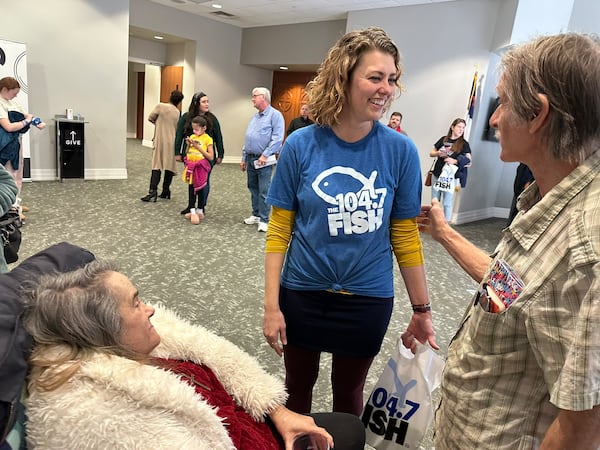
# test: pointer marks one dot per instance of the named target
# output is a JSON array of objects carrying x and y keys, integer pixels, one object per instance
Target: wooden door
[
  {"x": 139, "y": 117},
  {"x": 289, "y": 94},
  {"x": 171, "y": 78}
]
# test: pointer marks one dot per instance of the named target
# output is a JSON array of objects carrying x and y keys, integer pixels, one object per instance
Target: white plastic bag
[
  {"x": 446, "y": 180},
  {"x": 400, "y": 410}
]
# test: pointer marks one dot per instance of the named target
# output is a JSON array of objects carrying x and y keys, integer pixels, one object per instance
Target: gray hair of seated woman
[{"x": 78, "y": 311}]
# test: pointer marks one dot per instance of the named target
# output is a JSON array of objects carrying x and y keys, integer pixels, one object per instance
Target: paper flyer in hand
[
  {"x": 503, "y": 286},
  {"x": 270, "y": 161}
]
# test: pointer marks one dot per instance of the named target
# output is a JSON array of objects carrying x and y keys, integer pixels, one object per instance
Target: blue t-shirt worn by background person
[{"x": 344, "y": 196}]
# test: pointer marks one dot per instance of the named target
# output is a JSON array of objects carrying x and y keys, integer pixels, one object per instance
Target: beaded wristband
[{"x": 425, "y": 307}]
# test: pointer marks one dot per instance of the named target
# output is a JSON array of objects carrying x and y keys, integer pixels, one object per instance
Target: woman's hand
[
  {"x": 419, "y": 329},
  {"x": 452, "y": 161},
  {"x": 290, "y": 425},
  {"x": 178, "y": 158},
  {"x": 274, "y": 329}
]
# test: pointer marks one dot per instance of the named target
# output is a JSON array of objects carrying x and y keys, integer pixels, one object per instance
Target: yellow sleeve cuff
[
  {"x": 279, "y": 232},
  {"x": 406, "y": 242}
]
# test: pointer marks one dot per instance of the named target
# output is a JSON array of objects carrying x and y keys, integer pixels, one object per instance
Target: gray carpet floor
[{"x": 212, "y": 273}]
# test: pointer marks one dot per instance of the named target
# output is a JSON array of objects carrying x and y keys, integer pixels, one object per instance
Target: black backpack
[
  {"x": 15, "y": 342},
  {"x": 10, "y": 233}
]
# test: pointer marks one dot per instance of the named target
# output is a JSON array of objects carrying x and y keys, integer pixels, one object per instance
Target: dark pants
[
  {"x": 193, "y": 196},
  {"x": 348, "y": 377},
  {"x": 207, "y": 187}
]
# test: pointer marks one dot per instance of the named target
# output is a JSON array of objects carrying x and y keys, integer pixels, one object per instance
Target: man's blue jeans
[{"x": 259, "y": 182}]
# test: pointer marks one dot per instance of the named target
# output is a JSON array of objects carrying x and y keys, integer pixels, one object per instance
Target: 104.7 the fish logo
[
  {"x": 357, "y": 204},
  {"x": 388, "y": 413}
]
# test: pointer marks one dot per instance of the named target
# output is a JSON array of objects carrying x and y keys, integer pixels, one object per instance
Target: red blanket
[{"x": 245, "y": 432}]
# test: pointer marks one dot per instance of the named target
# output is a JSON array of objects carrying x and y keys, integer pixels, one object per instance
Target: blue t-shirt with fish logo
[{"x": 344, "y": 196}]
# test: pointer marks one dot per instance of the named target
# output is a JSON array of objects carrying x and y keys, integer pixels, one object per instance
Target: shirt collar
[
  {"x": 539, "y": 212},
  {"x": 264, "y": 111}
]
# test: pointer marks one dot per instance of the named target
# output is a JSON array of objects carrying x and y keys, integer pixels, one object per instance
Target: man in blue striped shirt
[{"x": 264, "y": 137}]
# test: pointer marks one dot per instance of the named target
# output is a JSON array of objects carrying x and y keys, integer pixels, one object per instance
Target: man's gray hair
[
  {"x": 566, "y": 69},
  {"x": 263, "y": 91}
]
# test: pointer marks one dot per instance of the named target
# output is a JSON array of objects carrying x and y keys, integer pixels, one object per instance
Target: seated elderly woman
[{"x": 109, "y": 371}]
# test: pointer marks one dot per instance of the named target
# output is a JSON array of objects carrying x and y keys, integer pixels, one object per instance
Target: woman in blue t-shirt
[{"x": 345, "y": 195}]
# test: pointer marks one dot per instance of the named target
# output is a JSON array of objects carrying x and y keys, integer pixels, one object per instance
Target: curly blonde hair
[{"x": 327, "y": 91}]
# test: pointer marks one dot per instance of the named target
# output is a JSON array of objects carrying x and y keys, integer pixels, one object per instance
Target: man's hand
[
  {"x": 243, "y": 166},
  {"x": 262, "y": 160},
  {"x": 473, "y": 260},
  {"x": 432, "y": 220}
]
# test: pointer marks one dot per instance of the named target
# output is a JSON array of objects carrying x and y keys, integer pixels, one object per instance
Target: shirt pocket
[
  {"x": 499, "y": 333},
  {"x": 265, "y": 130}
]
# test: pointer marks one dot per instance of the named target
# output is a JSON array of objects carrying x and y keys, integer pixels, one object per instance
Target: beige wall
[
  {"x": 77, "y": 58},
  {"x": 304, "y": 43},
  {"x": 217, "y": 68}
]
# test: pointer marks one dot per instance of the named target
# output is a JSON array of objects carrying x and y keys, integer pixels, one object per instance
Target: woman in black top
[
  {"x": 451, "y": 149},
  {"x": 199, "y": 106}
]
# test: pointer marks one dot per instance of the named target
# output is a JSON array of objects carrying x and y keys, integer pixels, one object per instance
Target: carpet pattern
[{"x": 212, "y": 273}]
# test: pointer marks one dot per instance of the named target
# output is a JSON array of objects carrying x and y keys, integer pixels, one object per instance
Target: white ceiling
[{"x": 259, "y": 13}]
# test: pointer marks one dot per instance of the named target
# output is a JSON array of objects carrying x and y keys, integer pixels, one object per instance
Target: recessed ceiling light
[
  {"x": 160, "y": 38},
  {"x": 283, "y": 68},
  {"x": 216, "y": 5}
]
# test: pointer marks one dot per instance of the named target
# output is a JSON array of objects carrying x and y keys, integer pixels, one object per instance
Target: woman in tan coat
[{"x": 164, "y": 116}]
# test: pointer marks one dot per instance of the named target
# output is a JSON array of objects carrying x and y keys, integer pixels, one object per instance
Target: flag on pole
[
  {"x": 472, "y": 97},
  {"x": 471, "y": 106}
]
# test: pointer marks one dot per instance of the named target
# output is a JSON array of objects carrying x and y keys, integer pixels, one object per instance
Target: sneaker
[
  {"x": 263, "y": 226},
  {"x": 252, "y": 220}
]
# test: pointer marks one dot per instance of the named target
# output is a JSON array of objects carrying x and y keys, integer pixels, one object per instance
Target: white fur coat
[{"x": 115, "y": 402}]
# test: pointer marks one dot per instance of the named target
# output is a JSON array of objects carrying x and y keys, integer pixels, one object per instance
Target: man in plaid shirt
[{"x": 526, "y": 374}]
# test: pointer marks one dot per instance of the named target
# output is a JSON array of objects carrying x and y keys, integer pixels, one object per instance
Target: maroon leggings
[{"x": 347, "y": 380}]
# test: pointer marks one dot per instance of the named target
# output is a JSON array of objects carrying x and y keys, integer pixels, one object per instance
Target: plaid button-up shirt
[{"x": 508, "y": 373}]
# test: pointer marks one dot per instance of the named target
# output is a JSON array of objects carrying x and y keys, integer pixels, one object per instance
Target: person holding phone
[
  {"x": 453, "y": 149},
  {"x": 200, "y": 152}
]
